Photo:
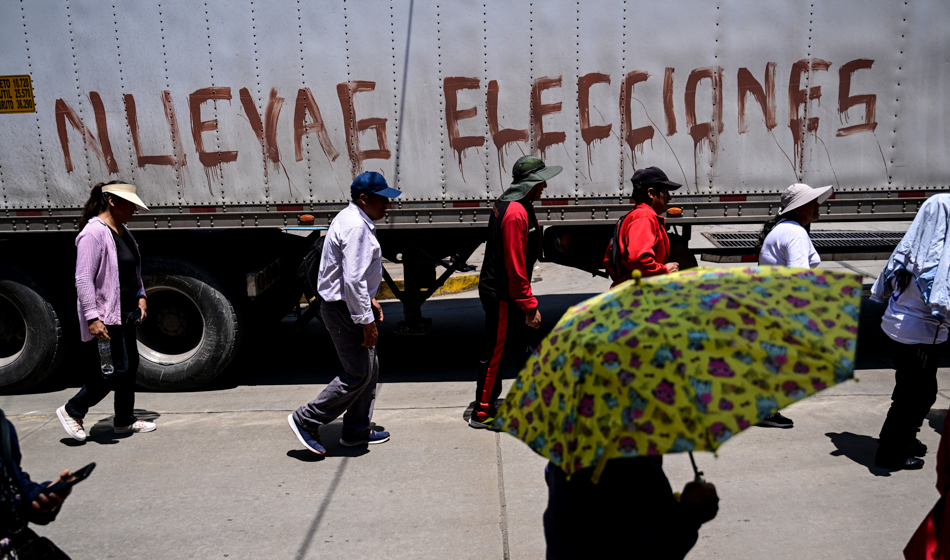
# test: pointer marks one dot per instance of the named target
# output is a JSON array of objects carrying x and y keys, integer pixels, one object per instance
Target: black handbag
[{"x": 17, "y": 540}]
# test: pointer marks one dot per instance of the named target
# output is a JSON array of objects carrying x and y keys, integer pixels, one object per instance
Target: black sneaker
[
  {"x": 483, "y": 424},
  {"x": 777, "y": 421},
  {"x": 887, "y": 459},
  {"x": 917, "y": 448}
]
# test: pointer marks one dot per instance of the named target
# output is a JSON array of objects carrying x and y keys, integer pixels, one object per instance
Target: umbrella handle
[
  {"x": 699, "y": 474},
  {"x": 608, "y": 453}
]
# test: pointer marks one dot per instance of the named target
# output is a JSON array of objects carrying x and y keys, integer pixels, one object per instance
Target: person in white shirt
[
  {"x": 350, "y": 274},
  {"x": 784, "y": 241},
  {"x": 915, "y": 284}
]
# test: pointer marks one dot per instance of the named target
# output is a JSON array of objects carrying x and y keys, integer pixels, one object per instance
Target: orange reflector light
[
  {"x": 306, "y": 219},
  {"x": 674, "y": 211}
]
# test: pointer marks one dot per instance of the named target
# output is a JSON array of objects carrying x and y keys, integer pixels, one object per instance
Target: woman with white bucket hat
[
  {"x": 111, "y": 304},
  {"x": 784, "y": 241}
]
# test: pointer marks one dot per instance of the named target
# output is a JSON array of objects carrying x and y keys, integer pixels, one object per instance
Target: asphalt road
[{"x": 224, "y": 477}]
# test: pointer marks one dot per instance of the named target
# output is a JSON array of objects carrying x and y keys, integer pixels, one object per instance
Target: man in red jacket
[
  {"x": 640, "y": 242},
  {"x": 504, "y": 285}
]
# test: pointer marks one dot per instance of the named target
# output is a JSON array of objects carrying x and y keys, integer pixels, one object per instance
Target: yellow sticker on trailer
[{"x": 16, "y": 94}]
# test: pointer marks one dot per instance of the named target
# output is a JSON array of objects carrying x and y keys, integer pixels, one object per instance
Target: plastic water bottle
[{"x": 105, "y": 357}]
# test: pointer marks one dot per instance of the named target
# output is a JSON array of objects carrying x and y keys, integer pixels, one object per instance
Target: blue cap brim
[{"x": 388, "y": 192}]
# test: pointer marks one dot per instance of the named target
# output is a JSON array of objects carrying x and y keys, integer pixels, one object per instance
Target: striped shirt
[{"x": 97, "y": 276}]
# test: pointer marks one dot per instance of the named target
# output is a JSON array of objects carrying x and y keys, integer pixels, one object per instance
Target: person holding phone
[
  {"x": 111, "y": 304},
  {"x": 23, "y": 501}
]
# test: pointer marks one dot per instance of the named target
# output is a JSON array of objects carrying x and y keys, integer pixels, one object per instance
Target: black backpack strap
[
  {"x": 309, "y": 270},
  {"x": 615, "y": 252},
  {"x": 6, "y": 446}
]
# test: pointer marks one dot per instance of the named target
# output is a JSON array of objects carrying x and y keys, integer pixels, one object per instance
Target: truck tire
[
  {"x": 30, "y": 336},
  {"x": 191, "y": 332}
]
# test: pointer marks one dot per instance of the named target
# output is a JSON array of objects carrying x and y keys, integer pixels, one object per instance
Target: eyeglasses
[{"x": 374, "y": 196}]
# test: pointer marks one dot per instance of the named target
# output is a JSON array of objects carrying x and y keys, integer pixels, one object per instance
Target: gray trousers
[{"x": 353, "y": 391}]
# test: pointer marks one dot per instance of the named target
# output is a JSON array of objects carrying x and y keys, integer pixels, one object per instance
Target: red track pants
[{"x": 505, "y": 343}]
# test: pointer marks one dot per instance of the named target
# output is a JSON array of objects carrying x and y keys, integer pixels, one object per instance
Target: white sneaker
[
  {"x": 137, "y": 427},
  {"x": 73, "y": 425}
]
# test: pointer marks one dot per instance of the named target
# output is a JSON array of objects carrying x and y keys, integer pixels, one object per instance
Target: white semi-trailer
[{"x": 239, "y": 121}]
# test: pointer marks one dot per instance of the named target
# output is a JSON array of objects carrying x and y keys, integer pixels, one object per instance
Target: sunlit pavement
[{"x": 224, "y": 477}]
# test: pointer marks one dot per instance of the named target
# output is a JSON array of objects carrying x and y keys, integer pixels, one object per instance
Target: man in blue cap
[{"x": 351, "y": 271}]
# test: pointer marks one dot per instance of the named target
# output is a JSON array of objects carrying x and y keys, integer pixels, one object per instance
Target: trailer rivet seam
[
  {"x": 260, "y": 104},
  {"x": 72, "y": 47},
  {"x": 29, "y": 59}
]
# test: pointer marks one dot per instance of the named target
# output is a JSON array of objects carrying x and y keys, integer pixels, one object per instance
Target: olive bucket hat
[{"x": 527, "y": 172}]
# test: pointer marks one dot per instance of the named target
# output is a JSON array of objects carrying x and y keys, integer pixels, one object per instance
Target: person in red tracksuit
[
  {"x": 504, "y": 285},
  {"x": 641, "y": 240}
]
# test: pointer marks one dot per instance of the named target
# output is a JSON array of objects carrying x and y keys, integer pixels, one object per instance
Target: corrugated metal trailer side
[
  {"x": 235, "y": 104},
  {"x": 235, "y": 119}
]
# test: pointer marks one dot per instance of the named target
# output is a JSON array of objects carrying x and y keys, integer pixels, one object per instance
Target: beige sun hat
[
  {"x": 127, "y": 192},
  {"x": 800, "y": 194}
]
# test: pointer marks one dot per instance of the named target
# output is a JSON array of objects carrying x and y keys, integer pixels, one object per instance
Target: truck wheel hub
[
  {"x": 177, "y": 330},
  {"x": 172, "y": 322},
  {"x": 12, "y": 332}
]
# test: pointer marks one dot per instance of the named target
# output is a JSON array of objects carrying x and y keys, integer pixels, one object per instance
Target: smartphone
[{"x": 78, "y": 476}]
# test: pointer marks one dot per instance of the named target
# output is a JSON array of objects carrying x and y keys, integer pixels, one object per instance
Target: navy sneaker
[
  {"x": 310, "y": 441},
  {"x": 365, "y": 437}
]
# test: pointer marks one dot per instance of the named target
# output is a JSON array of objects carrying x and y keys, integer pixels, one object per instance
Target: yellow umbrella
[{"x": 682, "y": 362}]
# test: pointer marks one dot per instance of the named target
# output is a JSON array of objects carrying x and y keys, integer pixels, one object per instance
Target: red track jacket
[
  {"x": 513, "y": 247},
  {"x": 644, "y": 245}
]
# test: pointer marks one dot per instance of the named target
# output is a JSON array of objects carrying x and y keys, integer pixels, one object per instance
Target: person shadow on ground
[
  {"x": 858, "y": 448},
  {"x": 861, "y": 449},
  {"x": 935, "y": 419}
]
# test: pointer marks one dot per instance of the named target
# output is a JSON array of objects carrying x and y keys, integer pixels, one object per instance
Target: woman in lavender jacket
[{"x": 111, "y": 304}]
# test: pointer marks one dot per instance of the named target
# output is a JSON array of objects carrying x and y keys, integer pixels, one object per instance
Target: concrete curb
[{"x": 455, "y": 284}]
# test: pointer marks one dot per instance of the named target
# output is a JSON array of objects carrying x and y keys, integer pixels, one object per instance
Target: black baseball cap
[{"x": 653, "y": 176}]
